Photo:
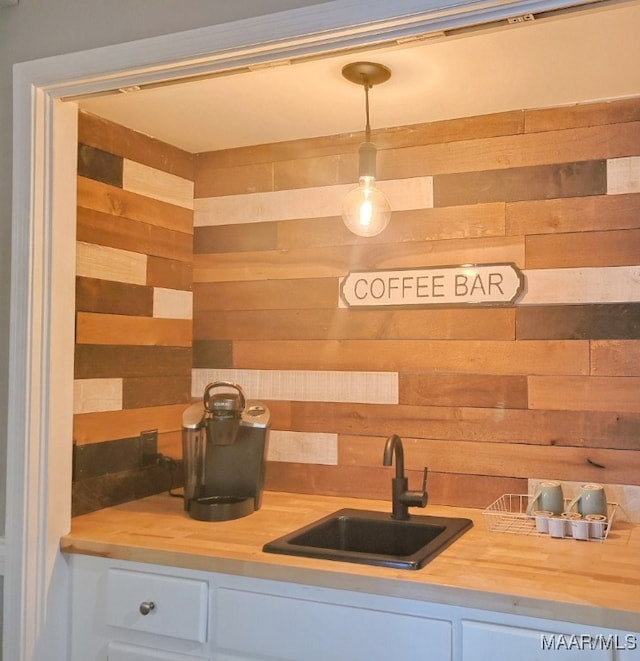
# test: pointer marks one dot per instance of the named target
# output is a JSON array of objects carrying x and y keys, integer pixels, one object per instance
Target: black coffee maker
[{"x": 224, "y": 443}]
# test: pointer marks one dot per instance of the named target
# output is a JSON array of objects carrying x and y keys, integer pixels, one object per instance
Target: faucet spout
[
  {"x": 401, "y": 497},
  {"x": 394, "y": 445}
]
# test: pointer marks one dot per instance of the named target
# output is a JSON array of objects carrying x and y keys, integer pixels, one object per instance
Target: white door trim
[{"x": 43, "y": 249}]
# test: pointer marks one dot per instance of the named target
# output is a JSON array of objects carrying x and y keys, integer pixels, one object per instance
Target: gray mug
[
  {"x": 548, "y": 496},
  {"x": 591, "y": 500}
]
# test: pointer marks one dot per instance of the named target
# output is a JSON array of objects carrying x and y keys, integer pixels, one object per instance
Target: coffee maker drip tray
[{"x": 221, "y": 508}]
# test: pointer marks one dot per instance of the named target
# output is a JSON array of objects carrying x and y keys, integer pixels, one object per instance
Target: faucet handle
[{"x": 424, "y": 480}]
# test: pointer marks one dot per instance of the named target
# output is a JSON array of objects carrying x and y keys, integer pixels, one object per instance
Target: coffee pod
[
  {"x": 542, "y": 520},
  {"x": 580, "y": 528},
  {"x": 556, "y": 526},
  {"x": 569, "y": 518},
  {"x": 597, "y": 525}
]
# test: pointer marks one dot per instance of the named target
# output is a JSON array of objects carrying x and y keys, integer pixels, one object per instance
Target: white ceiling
[{"x": 590, "y": 55}]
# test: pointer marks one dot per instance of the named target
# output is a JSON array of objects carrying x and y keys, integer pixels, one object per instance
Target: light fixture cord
[{"x": 367, "y": 128}]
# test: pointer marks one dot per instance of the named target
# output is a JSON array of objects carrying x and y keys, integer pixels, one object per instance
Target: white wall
[{"x": 33, "y": 29}]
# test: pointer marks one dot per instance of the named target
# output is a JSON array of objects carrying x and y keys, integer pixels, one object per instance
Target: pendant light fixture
[{"x": 365, "y": 209}]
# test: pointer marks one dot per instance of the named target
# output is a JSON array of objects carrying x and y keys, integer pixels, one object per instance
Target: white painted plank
[
  {"x": 92, "y": 395},
  {"x": 316, "y": 202},
  {"x": 303, "y": 448},
  {"x": 614, "y": 284},
  {"x": 172, "y": 303},
  {"x": 623, "y": 175},
  {"x": 305, "y": 385},
  {"x": 159, "y": 185},
  {"x": 104, "y": 263}
]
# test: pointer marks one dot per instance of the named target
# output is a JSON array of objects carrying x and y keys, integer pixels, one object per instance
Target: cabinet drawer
[
  {"x": 126, "y": 652},
  {"x": 159, "y": 604},
  {"x": 483, "y": 641}
]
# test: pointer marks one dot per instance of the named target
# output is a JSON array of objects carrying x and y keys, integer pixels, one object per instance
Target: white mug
[
  {"x": 591, "y": 500},
  {"x": 548, "y": 496}
]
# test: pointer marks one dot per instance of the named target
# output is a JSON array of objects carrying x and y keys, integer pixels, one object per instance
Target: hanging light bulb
[{"x": 366, "y": 210}]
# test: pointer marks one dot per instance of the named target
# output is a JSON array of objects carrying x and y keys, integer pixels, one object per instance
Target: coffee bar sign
[{"x": 485, "y": 284}]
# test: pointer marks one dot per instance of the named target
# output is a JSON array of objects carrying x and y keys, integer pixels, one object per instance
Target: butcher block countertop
[{"x": 592, "y": 583}]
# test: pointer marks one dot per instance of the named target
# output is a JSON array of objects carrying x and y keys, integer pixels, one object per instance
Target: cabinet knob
[{"x": 146, "y": 607}]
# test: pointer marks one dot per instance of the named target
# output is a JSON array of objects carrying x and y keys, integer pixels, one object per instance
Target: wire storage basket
[{"x": 509, "y": 514}]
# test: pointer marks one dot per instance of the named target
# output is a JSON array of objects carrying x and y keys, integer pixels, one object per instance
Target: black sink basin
[{"x": 372, "y": 538}]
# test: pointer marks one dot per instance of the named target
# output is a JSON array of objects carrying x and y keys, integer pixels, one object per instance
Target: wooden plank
[
  {"x": 584, "y": 114},
  {"x": 104, "y": 491},
  {"x": 373, "y": 482},
  {"x": 105, "y": 229},
  {"x": 518, "y": 460},
  {"x": 94, "y": 328},
  {"x": 314, "y": 386},
  {"x": 105, "y": 263},
  {"x": 91, "y": 395},
  {"x": 465, "y": 128},
  {"x": 310, "y": 202},
  {"x": 578, "y": 322},
  {"x": 339, "y": 260},
  {"x": 468, "y": 390},
  {"x": 566, "y": 146},
  {"x": 108, "y": 457},
  {"x": 235, "y": 238},
  {"x": 103, "y": 361},
  {"x": 116, "y": 139},
  {"x": 305, "y": 172},
  {"x": 170, "y": 445},
  {"x": 613, "y": 248},
  {"x": 265, "y": 295},
  {"x": 573, "y": 214},
  {"x": 159, "y": 185},
  {"x": 615, "y": 358},
  {"x": 172, "y": 303},
  {"x": 94, "y": 295},
  {"x": 319, "y": 324},
  {"x": 99, "y": 165},
  {"x": 623, "y": 175},
  {"x": 303, "y": 447},
  {"x": 143, "y": 392},
  {"x": 212, "y": 180},
  {"x": 585, "y": 393},
  {"x": 108, "y": 425},
  {"x": 117, "y": 202},
  {"x": 537, "y": 182},
  {"x": 162, "y": 272},
  {"x": 459, "y": 222},
  {"x": 461, "y": 356},
  {"x": 218, "y": 354},
  {"x": 575, "y": 286},
  {"x": 603, "y": 429}
]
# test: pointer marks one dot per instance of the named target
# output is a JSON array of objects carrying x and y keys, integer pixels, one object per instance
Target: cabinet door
[
  {"x": 126, "y": 652},
  {"x": 266, "y": 626},
  {"x": 482, "y": 641}
]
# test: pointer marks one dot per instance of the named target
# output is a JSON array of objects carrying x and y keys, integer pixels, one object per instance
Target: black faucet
[{"x": 401, "y": 497}]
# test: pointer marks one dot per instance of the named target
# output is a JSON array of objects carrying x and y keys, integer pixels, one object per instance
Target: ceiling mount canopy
[{"x": 365, "y": 210}]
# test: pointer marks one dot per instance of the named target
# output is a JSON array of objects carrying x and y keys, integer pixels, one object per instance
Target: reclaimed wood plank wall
[
  {"x": 486, "y": 397},
  {"x": 133, "y": 309}
]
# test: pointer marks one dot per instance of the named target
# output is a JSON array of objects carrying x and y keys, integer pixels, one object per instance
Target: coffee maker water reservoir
[{"x": 224, "y": 443}]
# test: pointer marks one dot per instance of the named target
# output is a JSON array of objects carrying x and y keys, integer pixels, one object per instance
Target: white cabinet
[
  {"x": 485, "y": 641},
  {"x": 125, "y": 652},
  {"x": 300, "y": 629},
  {"x": 201, "y": 616}
]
